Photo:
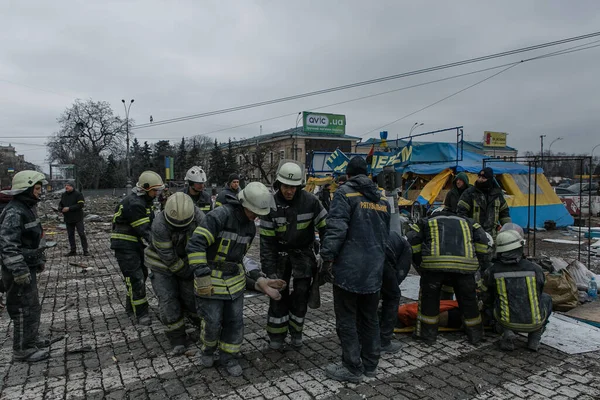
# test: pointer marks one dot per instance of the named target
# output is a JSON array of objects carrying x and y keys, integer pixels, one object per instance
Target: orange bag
[{"x": 407, "y": 313}]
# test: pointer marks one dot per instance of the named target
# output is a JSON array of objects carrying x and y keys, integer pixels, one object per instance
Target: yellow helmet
[
  {"x": 149, "y": 180},
  {"x": 179, "y": 210}
]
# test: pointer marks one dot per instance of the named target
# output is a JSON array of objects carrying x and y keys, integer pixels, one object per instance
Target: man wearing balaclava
[{"x": 484, "y": 203}]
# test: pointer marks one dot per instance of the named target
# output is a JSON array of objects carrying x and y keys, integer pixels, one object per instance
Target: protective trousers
[
  {"x": 429, "y": 304},
  {"x": 390, "y": 299},
  {"x": 358, "y": 329},
  {"x": 175, "y": 299},
  {"x": 289, "y": 312},
  {"x": 23, "y": 305},
  {"x": 135, "y": 273},
  {"x": 222, "y": 326},
  {"x": 71, "y": 235}
]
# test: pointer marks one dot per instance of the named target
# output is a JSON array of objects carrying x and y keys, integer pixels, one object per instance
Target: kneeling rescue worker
[
  {"x": 132, "y": 222},
  {"x": 215, "y": 253},
  {"x": 447, "y": 249},
  {"x": 171, "y": 276},
  {"x": 287, "y": 237}
]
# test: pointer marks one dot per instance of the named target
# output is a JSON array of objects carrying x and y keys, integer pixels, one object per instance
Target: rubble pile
[{"x": 97, "y": 209}]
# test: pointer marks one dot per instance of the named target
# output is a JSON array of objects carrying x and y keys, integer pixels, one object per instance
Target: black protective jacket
[
  {"x": 358, "y": 226},
  {"x": 291, "y": 229},
  {"x": 218, "y": 246},
  {"x": 487, "y": 208},
  {"x": 202, "y": 200},
  {"x": 226, "y": 192},
  {"x": 447, "y": 243},
  {"x": 132, "y": 222},
  {"x": 453, "y": 196},
  {"x": 515, "y": 290},
  {"x": 74, "y": 200},
  {"x": 398, "y": 255},
  {"x": 20, "y": 236},
  {"x": 167, "y": 251}
]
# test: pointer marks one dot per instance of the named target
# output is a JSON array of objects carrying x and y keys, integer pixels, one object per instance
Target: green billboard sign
[{"x": 324, "y": 123}]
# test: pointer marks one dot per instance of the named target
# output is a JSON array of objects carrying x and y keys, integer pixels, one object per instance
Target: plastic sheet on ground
[{"x": 571, "y": 336}]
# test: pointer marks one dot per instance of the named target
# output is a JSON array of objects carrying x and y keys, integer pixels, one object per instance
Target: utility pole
[
  {"x": 541, "y": 151},
  {"x": 129, "y": 186}
]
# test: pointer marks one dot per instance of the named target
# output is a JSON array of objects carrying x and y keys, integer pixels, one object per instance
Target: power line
[
  {"x": 34, "y": 88},
  {"x": 369, "y": 82}
]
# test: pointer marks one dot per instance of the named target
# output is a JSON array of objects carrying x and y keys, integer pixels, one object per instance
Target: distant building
[{"x": 10, "y": 161}]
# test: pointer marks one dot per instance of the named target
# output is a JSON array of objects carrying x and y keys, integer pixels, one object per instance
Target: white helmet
[
  {"x": 508, "y": 240},
  {"x": 257, "y": 198},
  {"x": 179, "y": 210},
  {"x": 290, "y": 173},
  {"x": 149, "y": 180},
  {"x": 196, "y": 175},
  {"x": 23, "y": 180}
]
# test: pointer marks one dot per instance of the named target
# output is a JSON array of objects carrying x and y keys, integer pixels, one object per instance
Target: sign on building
[
  {"x": 324, "y": 123},
  {"x": 494, "y": 139}
]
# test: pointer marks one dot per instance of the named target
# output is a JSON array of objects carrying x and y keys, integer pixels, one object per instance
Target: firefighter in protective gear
[
  {"x": 287, "y": 237},
  {"x": 22, "y": 258},
  {"x": 131, "y": 223},
  {"x": 171, "y": 276},
  {"x": 231, "y": 189},
  {"x": 215, "y": 253},
  {"x": 447, "y": 248},
  {"x": 515, "y": 286},
  {"x": 196, "y": 179}
]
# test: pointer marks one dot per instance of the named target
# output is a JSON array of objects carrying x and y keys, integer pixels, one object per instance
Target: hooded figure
[{"x": 459, "y": 185}]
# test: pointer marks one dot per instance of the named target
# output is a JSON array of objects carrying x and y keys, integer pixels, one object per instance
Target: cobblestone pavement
[{"x": 123, "y": 361}]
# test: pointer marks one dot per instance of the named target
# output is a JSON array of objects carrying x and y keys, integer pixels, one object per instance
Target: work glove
[
  {"x": 319, "y": 263},
  {"x": 326, "y": 273},
  {"x": 270, "y": 287},
  {"x": 203, "y": 285},
  {"x": 24, "y": 279}
]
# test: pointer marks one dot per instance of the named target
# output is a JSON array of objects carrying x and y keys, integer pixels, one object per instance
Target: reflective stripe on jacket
[
  {"x": 132, "y": 222},
  {"x": 489, "y": 209}
]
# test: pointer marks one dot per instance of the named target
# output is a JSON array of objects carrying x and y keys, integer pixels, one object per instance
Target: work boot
[
  {"x": 86, "y": 253},
  {"x": 145, "y": 320},
  {"x": 371, "y": 374},
  {"x": 71, "y": 253},
  {"x": 233, "y": 367},
  {"x": 340, "y": 373},
  {"x": 391, "y": 348},
  {"x": 31, "y": 355},
  {"x": 533, "y": 339},
  {"x": 275, "y": 344},
  {"x": 207, "y": 360},
  {"x": 296, "y": 341},
  {"x": 177, "y": 351},
  {"x": 507, "y": 341}
]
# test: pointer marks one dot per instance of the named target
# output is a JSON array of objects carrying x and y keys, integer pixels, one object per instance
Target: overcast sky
[{"x": 187, "y": 57}]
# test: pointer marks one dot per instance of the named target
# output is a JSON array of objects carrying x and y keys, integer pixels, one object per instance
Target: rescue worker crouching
[
  {"x": 215, "y": 253},
  {"x": 22, "y": 258},
  {"x": 196, "y": 180},
  {"x": 287, "y": 237},
  {"x": 171, "y": 276},
  {"x": 515, "y": 287},
  {"x": 131, "y": 226},
  {"x": 447, "y": 249}
]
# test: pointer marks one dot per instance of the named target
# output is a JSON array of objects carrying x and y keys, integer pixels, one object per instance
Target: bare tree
[{"x": 264, "y": 159}]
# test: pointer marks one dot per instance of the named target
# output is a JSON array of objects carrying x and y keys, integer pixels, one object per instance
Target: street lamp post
[
  {"x": 129, "y": 186},
  {"x": 295, "y": 146},
  {"x": 551, "y": 143},
  {"x": 415, "y": 126}
]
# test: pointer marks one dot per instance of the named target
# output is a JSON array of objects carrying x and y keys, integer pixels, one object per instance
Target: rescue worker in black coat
[
  {"x": 515, "y": 288},
  {"x": 131, "y": 227},
  {"x": 71, "y": 207},
  {"x": 459, "y": 185},
  {"x": 231, "y": 189},
  {"x": 447, "y": 248},
  {"x": 215, "y": 253},
  {"x": 196, "y": 180},
  {"x": 171, "y": 276},
  {"x": 325, "y": 196},
  {"x": 22, "y": 258},
  {"x": 358, "y": 227},
  {"x": 398, "y": 259},
  {"x": 287, "y": 237}
]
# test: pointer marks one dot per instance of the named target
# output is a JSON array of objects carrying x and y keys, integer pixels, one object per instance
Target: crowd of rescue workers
[{"x": 193, "y": 251}]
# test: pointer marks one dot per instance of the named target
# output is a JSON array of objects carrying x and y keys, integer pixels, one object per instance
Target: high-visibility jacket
[
  {"x": 202, "y": 199},
  {"x": 488, "y": 209},
  {"x": 516, "y": 290},
  {"x": 218, "y": 246},
  {"x": 131, "y": 222},
  {"x": 291, "y": 227},
  {"x": 447, "y": 243},
  {"x": 167, "y": 251}
]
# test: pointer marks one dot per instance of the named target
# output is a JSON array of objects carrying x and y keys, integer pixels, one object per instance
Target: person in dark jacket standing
[
  {"x": 196, "y": 180},
  {"x": 515, "y": 287},
  {"x": 325, "y": 196},
  {"x": 22, "y": 258},
  {"x": 231, "y": 189},
  {"x": 131, "y": 227},
  {"x": 358, "y": 227},
  {"x": 459, "y": 185},
  {"x": 398, "y": 259},
  {"x": 447, "y": 248},
  {"x": 287, "y": 237},
  {"x": 216, "y": 253},
  {"x": 71, "y": 207}
]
